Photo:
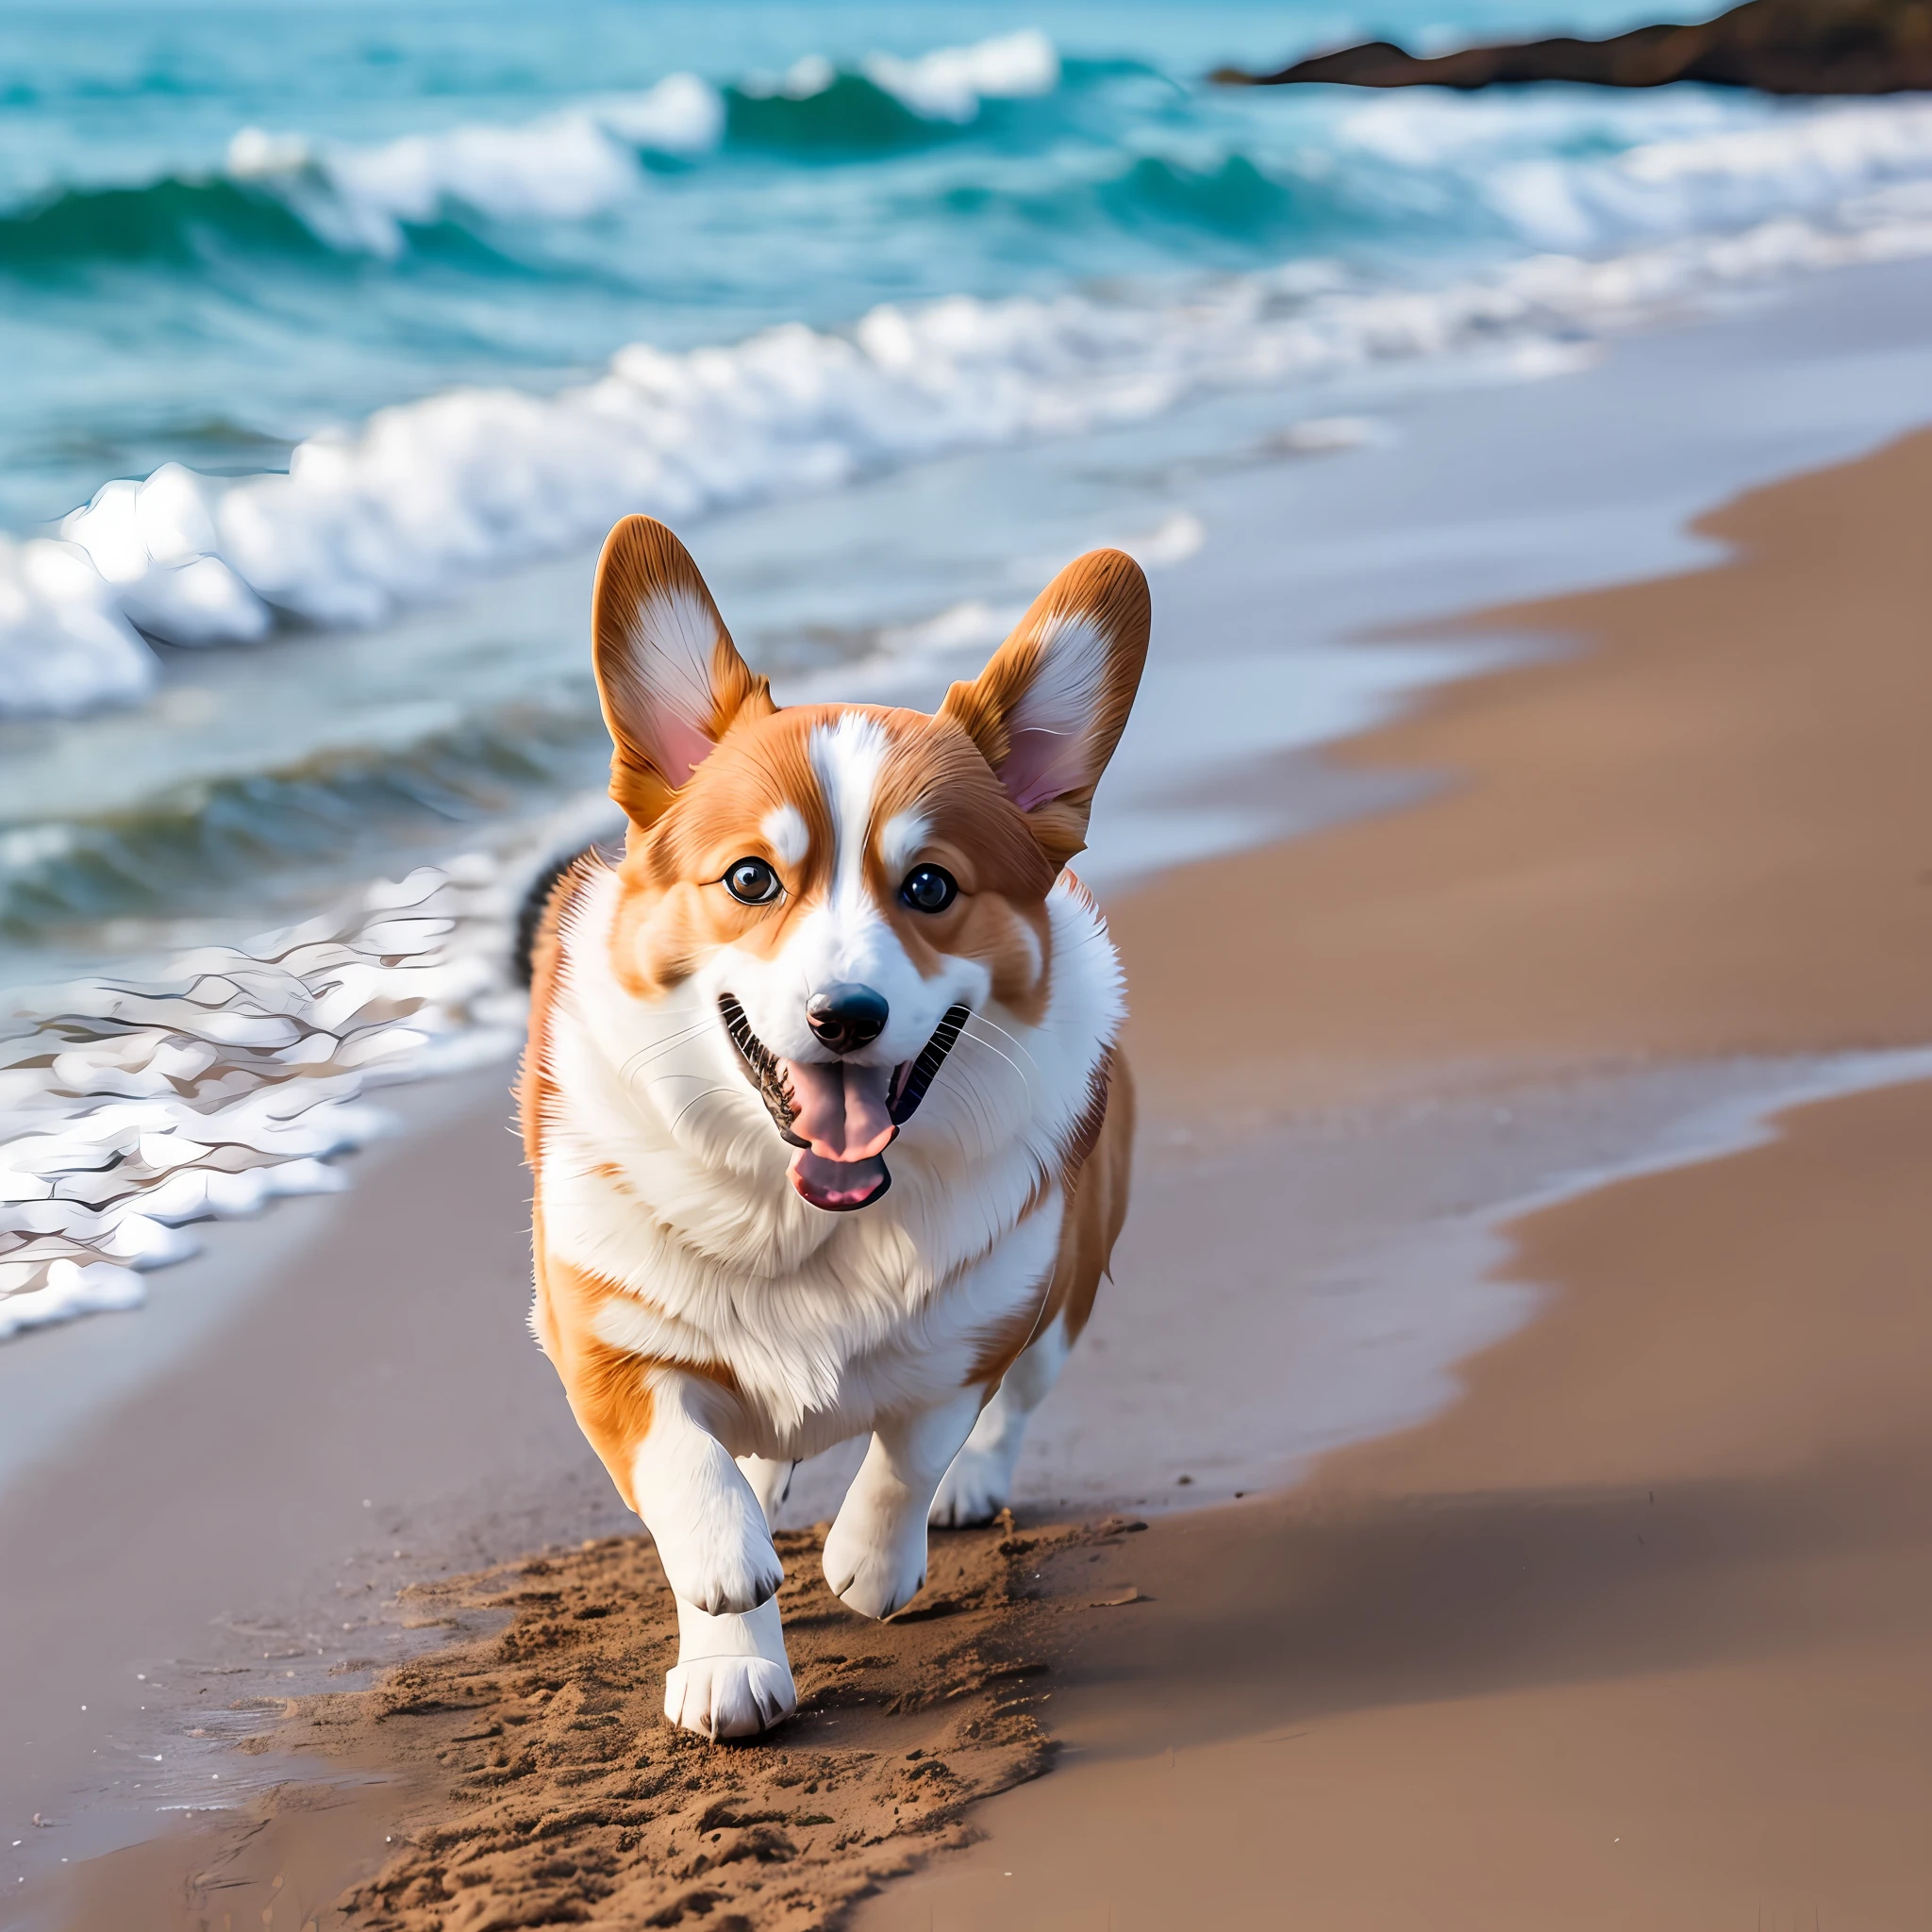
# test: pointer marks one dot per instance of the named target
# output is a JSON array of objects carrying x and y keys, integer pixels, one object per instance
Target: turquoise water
[
  {"x": 388, "y": 304},
  {"x": 175, "y": 289}
]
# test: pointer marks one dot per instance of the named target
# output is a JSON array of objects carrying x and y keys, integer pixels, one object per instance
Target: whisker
[
  {"x": 663, "y": 1044},
  {"x": 693, "y": 1102},
  {"x": 1014, "y": 1036},
  {"x": 983, "y": 1113},
  {"x": 659, "y": 1048},
  {"x": 1019, "y": 1071}
]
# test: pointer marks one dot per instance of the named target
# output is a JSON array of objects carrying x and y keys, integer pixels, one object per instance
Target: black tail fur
[{"x": 530, "y": 913}]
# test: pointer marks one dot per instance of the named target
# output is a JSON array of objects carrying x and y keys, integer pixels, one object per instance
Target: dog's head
[{"x": 849, "y": 884}]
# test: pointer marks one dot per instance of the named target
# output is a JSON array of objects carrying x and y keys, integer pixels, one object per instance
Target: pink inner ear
[
  {"x": 1040, "y": 765},
  {"x": 680, "y": 748}
]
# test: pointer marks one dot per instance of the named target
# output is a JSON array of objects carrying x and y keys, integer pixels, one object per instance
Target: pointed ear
[
  {"x": 1049, "y": 709},
  {"x": 669, "y": 676}
]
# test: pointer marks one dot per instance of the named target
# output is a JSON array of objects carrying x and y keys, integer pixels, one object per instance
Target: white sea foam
[
  {"x": 564, "y": 167},
  {"x": 426, "y": 498},
  {"x": 1678, "y": 164},
  {"x": 129, "y": 1109},
  {"x": 65, "y": 643},
  {"x": 950, "y": 83},
  {"x": 571, "y": 165},
  {"x": 1795, "y": 165}
]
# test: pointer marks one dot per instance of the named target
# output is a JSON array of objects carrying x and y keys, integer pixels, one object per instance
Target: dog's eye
[
  {"x": 929, "y": 889},
  {"x": 752, "y": 882}
]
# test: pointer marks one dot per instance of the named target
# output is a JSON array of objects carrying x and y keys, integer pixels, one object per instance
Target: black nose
[{"x": 846, "y": 1017}]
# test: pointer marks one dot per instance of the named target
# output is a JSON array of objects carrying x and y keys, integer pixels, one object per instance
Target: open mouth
[{"x": 840, "y": 1117}]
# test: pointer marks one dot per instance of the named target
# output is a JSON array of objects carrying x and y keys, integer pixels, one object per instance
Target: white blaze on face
[
  {"x": 846, "y": 760},
  {"x": 848, "y": 938},
  {"x": 903, "y": 834},
  {"x": 786, "y": 833}
]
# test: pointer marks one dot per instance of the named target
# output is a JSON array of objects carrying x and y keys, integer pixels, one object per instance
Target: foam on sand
[{"x": 128, "y": 1110}]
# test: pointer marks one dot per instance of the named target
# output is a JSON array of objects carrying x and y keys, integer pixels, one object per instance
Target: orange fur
[
  {"x": 1096, "y": 1187},
  {"x": 1106, "y": 585}
]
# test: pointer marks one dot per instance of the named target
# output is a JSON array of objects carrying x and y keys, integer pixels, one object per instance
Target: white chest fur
[{"x": 662, "y": 1176}]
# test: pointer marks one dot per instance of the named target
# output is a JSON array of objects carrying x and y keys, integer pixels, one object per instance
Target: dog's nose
[{"x": 846, "y": 1017}]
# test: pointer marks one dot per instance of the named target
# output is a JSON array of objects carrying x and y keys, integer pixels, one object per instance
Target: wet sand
[
  {"x": 1704, "y": 835},
  {"x": 1638, "y": 1633},
  {"x": 531, "y": 1779}
]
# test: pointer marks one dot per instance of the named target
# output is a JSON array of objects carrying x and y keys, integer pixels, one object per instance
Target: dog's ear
[
  {"x": 670, "y": 677},
  {"x": 1049, "y": 709}
]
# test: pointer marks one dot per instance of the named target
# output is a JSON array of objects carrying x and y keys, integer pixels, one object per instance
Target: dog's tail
[{"x": 537, "y": 900}]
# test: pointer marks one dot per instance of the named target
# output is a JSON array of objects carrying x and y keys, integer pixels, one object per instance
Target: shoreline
[
  {"x": 1475, "y": 994},
  {"x": 1633, "y": 1632}
]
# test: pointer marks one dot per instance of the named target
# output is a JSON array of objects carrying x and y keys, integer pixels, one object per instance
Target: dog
[{"x": 822, "y": 1096}]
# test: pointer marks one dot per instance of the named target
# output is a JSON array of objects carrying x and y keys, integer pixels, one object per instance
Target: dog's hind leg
[
  {"x": 979, "y": 1484},
  {"x": 770, "y": 1483}
]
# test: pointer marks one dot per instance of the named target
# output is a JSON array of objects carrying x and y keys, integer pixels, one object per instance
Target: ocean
[{"x": 335, "y": 334}]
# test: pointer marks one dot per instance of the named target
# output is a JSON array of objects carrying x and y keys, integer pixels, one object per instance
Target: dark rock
[{"x": 1777, "y": 46}]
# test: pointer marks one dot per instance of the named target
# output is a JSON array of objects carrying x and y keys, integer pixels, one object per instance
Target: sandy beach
[
  {"x": 1635, "y": 1626},
  {"x": 1634, "y": 1634},
  {"x": 1634, "y": 1630}
]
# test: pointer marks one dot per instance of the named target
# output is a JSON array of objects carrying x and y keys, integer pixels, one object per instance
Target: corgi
[{"x": 828, "y": 1124}]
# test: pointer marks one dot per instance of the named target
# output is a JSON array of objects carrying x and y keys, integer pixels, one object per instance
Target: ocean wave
[
  {"x": 566, "y": 167},
  {"x": 1798, "y": 164},
  {"x": 282, "y": 198},
  {"x": 282, "y": 193},
  {"x": 175, "y": 221},
  {"x": 571, "y": 166},
  {"x": 888, "y": 102},
  {"x": 285, "y": 835},
  {"x": 428, "y": 498},
  {"x": 1591, "y": 176}
]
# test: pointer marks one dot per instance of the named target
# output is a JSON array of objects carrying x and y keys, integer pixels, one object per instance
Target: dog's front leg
[
  {"x": 707, "y": 1523},
  {"x": 876, "y": 1554},
  {"x": 731, "y": 1678}
]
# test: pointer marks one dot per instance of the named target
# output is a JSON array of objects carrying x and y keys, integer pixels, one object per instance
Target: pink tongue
[
  {"x": 840, "y": 1108},
  {"x": 838, "y": 1186}
]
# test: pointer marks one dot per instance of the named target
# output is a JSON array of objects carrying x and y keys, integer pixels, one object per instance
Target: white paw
[
  {"x": 729, "y": 1569},
  {"x": 873, "y": 1571},
  {"x": 728, "y": 1696},
  {"x": 973, "y": 1491}
]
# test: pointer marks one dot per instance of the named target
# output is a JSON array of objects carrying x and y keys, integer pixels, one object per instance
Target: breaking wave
[
  {"x": 428, "y": 498},
  {"x": 287, "y": 195}
]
